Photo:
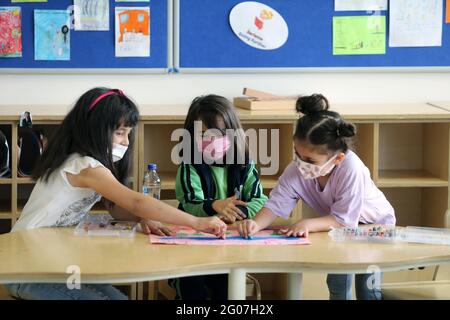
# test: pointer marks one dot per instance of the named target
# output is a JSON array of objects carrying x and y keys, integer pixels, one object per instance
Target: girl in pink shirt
[{"x": 332, "y": 180}]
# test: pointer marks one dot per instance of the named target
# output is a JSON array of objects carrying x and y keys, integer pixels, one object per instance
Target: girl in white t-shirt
[{"x": 88, "y": 159}]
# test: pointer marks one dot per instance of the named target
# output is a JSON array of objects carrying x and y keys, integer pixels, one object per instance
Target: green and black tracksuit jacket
[{"x": 197, "y": 187}]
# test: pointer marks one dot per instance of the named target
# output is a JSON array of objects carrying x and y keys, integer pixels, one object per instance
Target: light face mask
[
  {"x": 118, "y": 151},
  {"x": 312, "y": 171},
  {"x": 215, "y": 148}
]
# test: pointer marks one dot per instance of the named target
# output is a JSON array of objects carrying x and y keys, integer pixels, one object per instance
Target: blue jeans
[
  {"x": 340, "y": 286},
  {"x": 59, "y": 291}
]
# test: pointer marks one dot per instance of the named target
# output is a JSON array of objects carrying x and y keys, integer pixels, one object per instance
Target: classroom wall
[{"x": 181, "y": 88}]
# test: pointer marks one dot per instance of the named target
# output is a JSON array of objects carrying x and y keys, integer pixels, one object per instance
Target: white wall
[{"x": 182, "y": 88}]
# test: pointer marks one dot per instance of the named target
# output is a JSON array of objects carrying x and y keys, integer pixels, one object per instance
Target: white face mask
[
  {"x": 312, "y": 171},
  {"x": 118, "y": 151}
]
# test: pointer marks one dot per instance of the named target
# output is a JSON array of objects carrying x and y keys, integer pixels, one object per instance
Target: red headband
[{"x": 113, "y": 91}]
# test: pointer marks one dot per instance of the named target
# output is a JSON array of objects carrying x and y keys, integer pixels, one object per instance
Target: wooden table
[{"x": 44, "y": 255}]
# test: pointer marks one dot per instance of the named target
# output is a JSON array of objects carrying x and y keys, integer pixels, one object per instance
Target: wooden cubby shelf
[
  {"x": 25, "y": 180},
  {"x": 5, "y": 199},
  {"x": 409, "y": 178}
]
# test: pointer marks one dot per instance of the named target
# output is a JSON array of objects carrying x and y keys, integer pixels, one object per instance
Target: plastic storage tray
[{"x": 105, "y": 225}]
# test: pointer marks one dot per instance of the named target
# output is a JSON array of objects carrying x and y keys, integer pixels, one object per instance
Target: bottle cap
[{"x": 152, "y": 166}]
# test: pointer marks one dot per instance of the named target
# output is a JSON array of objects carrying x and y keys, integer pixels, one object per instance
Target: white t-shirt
[{"x": 57, "y": 203}]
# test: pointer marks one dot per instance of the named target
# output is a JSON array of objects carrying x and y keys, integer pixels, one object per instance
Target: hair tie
[
  {"x": 99, "y": 98},
  {"x": 338, "y": 132}
]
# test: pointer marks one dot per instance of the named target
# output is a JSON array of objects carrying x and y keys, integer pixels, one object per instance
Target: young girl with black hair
[
  {"x": 89, "y": 158},
  {"x": 217, "y": 178},
  {"x": 332, "y": 180}
]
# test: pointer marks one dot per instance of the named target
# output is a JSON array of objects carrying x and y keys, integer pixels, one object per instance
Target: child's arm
[
  {"x": 119, "y": 213},
  {"x": 345, "y": 211},
  {"x": 103, "y": 182},
  {"x": 253, "y": 193},
  {"x": 148, "y": 226},
  {"x": 189, "y": 192},
  {"x": 262, "y": 220},
  {"x": 282, "y": 200},
  {"x": 303, "y": 227}
]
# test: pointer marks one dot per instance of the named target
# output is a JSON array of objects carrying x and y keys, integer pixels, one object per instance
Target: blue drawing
[{"x": 51, "y": 35}]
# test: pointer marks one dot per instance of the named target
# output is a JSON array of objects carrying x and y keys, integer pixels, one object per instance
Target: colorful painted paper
[
  {"x": 184, "y": 235},
  {"x": 359, "y": 35},
  {"x": 91, "y": 15},
  {"x": 10, "y": 32},
  {"x": 51, "y": 35},
  {"x": 415, "y": 23},
  {"x": 132, "y": 31}
]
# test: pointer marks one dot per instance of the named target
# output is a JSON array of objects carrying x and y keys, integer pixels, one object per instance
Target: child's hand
[
  {"x": 299, "y": 229},
  {"x": 227, "y": 209},
  {"x": 155, "y": 227},
  {"x": 247, "y": 228},
  {"x": 212, "y": 225},
  {"x": 227, "y": 218}
]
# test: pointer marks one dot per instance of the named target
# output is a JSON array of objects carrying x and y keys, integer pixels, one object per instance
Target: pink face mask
[
  {"x": 214, "y": 148},
  {"x": 312, "y": 171}
]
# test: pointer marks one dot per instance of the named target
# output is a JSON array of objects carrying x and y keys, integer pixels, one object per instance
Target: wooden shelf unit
[{"x": 405, "y": 147}]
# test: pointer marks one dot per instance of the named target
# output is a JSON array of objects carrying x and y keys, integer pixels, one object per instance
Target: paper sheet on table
[
  {"x": 359, "y": 35},
  {"x": 415, "y": 23},
  {"x": 91, "y": 15},
  {"x": 360, "y": 5},
  {"x": 184, "y": 235}
]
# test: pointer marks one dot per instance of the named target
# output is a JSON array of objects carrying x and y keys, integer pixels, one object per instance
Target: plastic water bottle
[{"x": 152, "y": 184}]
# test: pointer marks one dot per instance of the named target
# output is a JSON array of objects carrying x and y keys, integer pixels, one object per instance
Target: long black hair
[
  {"x": 321, "y": 127},
  {"x": 89, "y": 132},
  {"x": 209, "y": 109}
]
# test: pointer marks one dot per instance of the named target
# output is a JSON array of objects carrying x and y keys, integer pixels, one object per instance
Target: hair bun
[
  {"x": 346, "y": 129},
  {"x": 311, "y": 104}
]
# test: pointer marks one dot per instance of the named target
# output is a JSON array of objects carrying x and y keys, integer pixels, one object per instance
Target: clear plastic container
[
  {"x": 103, "y": 225},
  {"x": 151, "y": 185},
  {"x": 381, "y": 234},
  {"x": 425, "y": 235}
]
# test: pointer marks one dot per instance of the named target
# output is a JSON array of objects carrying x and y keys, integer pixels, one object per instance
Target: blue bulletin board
[
  {"x": 94, "y": 51},
  {"x": 204, "y": 41}
]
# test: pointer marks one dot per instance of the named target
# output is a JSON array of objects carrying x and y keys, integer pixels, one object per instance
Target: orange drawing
[
  {"x": 135, "y": 21},
  {"x": 447, "y": 11}
]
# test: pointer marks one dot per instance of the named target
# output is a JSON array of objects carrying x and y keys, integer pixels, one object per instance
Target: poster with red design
[
  {"x": 10, "y": 32},
  {"x": 259, "y": 25}
]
